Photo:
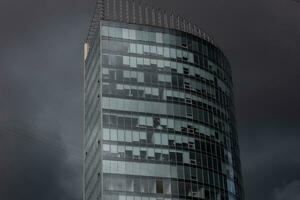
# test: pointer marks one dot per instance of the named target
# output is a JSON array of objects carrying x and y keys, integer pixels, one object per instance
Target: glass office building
[{"x": 159, "y": 116}]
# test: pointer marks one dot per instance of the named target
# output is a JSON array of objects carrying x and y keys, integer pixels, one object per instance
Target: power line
[
  {"x": 297, "y": 1},
  {"x": 54, "y": 145}
]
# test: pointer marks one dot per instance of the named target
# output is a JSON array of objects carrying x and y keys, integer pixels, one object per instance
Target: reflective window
[{"x": 166, "y": 112}]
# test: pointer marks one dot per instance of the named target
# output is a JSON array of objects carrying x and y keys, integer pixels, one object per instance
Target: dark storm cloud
[
  {"x": 289, "y": 192},
  {"x": 269, "y": 156},
  {"x": 262, "y": 41},
  {"x": 33, "y": 169},
  {"x": 41, "y": 87}
]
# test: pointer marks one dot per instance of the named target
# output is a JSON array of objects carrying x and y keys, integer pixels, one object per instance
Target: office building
[{"x": 159, "y": 118}]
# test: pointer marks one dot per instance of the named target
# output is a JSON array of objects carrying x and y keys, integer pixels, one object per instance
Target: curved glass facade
[{"x": 159, "y": 117}]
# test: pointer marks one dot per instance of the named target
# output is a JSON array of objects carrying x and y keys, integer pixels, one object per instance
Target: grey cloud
[
  {"x": 269, "y": 159},
  {"x": 35, "y": 168},
  {"x": 261, "y": 39},
  {"x": 41, "y": 76},
  {"x": 40, "y": 87},
  {"x": 291, "y": 191}
]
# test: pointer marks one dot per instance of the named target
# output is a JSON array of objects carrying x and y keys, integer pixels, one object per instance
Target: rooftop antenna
[
  {"x": 115, "y": 9},
  {"x": 133, "y": 12},
  {"x": 121, "y": 10},
  {"x": 147, "y": 14},
  {"x": 140, "y": 14},
  {"x": 107, "y": 9},
  {"x": 153, "y": 16},
  {"x": 127, "y": 11},
  {"x": 184, "y": 24},
  {"x": 178, "y": 22},
  {"x": 172, "y": 22},
  {"x": 159, "y": 17},
  {"x": 166, "y": 19}
]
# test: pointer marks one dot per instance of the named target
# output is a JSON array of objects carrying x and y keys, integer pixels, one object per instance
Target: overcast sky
[{"x": 41, "y": 92}]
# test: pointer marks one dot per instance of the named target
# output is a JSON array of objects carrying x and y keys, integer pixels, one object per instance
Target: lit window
[
  {"x": 111, "y": 31},
  {"x": 126, "y": 74},
  {"x": 157, "y": 138},
  {"x": 171, "y": 123},
  {"x": 113, "y": 135},
  {"x": 104, "y": 31},
  {"x": 164, "y": 139},
  {"x": 128, "y": 136},
  {"x": 142, "y": 121},
  {"x": 149, "y": 121},
  {"x": 133, "y": 62},
  {"x": 140, "y": 77},
  {"x": 160, "y": 63},
  {"x": 155, "y": 92},
  {"x": 167, "y": 63},
  {"x": 160, "y": 51},
  {"x": 179, "y": 53},
  {"x": 147, "y": 90},
  {"x": 136, "y": 151},
  {"x": 153, "y": 62},
  {"x": 139, "y": 49},
  {"x": 159, "y": 37},
  {"x": 153, "y": 49},
  {"x": 161, "y": 77},
  {"x": 121, "y": 137},
  {"x": 132, "y": 35},
  {"x": 150, "y": 153},
  {"x": 106, "y": 147},
  {"x": 173, "y": 53},
  {"x": 168, "y": 78},
  {"x": 132, "y": 48},
  {"x": 106, "y": 134},
  {"x": 143, "y": 135},
  {"x": 125, "y": 60},
  {"x": 140, "y": 61},
  {"x": 114, "y": 149},
  {"x": 125, "y": 33},
  {"x": 136, "y": 136},
  {"x": 166, "y": 52},
  {"x": 146, "y": 61},
  {"x": 146, "y": 48}
]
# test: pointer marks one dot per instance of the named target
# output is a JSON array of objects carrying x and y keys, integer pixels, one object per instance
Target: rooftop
[{"x": 138, "y": 12}]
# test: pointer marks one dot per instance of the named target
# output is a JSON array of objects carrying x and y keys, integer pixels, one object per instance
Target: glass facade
[{"x": 159, "y": 117}]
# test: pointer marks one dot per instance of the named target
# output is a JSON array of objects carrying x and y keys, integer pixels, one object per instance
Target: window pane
[{"x": 159, "y": 37}]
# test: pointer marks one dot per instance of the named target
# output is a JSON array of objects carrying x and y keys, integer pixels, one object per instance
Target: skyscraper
[{"x": 159, "y": 116}]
